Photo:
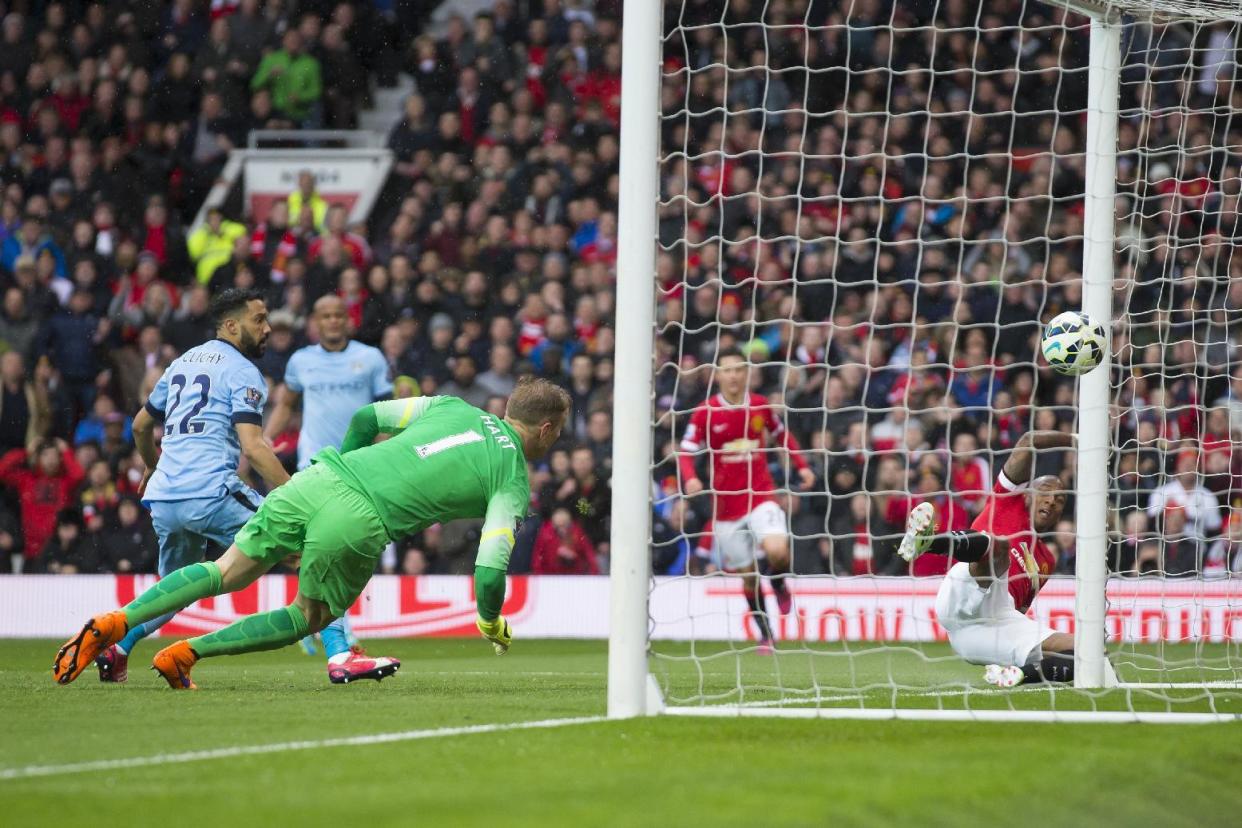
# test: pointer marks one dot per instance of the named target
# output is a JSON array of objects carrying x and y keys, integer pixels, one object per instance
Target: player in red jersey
[
  {"x": 1002, "y": 564},
  {"x": 737, "y": 427}
]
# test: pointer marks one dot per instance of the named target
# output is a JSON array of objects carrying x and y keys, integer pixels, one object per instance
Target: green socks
[
  {"x": 174, "y": 592},
  {"x": 262, "y": 631}
]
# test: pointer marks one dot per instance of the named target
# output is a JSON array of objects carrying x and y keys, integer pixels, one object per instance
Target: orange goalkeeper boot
[
  {"x": 174, "y": 663},
  {"x": 79, "y": 652}
]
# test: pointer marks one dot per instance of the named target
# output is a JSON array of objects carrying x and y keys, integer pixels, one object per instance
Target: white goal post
[{"x": 834, "y": 682}]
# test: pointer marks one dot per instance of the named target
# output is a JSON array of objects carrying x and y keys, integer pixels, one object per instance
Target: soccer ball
[{"x": 1074, "y": 343}]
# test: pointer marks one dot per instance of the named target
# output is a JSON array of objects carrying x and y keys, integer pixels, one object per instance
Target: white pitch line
[{"x": 279, "y": 747}]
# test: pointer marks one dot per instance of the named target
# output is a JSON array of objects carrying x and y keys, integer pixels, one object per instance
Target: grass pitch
[{"x": 650, "y": 772}]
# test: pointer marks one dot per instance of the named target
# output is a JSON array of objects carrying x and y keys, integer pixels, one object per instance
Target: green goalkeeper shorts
[{"x": 335, "y": 528}]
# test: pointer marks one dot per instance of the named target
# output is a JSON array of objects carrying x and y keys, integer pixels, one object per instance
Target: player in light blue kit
[
  {"x": 210, "y": 400},
  {"x": 331, "y": 380}
]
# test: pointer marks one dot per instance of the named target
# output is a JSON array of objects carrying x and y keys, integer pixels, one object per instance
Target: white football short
[
  {"x": 736, "y": 546},
  {"x": 983, "y": 625}
]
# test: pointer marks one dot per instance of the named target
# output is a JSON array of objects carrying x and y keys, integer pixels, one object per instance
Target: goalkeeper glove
[{"x": 498, "y": 632}]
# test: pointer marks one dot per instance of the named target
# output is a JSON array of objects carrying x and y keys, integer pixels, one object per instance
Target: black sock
[
  {"x": 778, "y": 582},
  {"x": 968, "y": 546},
  {"x": 1052, "y": 667},
  {"x": 759, "y": 613}
]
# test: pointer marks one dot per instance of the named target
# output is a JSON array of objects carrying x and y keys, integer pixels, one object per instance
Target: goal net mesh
[{"x": 880, "y": 204}]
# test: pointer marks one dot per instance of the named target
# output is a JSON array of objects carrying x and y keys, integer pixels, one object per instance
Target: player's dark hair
[
  {"x": 729, "y": 352},
  {"x": 536, "y": 401},
  {"x": 229, "y": 303}
]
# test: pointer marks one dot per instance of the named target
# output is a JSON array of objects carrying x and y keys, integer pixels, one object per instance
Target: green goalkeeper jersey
[{"x": 445, "y": 460}]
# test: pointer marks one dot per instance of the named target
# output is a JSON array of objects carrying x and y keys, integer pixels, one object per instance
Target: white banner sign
[{"x": 826, "y": 609}]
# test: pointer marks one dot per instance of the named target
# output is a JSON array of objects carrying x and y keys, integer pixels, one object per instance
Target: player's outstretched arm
[
  {"x": 385, "y": 417},
  {"x": 259, "y": 452},
  {"x": 1018, "y": 467},
  {"x": 504, "y": 511}
]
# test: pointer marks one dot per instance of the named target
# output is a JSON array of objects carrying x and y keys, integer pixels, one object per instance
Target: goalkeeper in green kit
[{"x": 445, "y": 460}]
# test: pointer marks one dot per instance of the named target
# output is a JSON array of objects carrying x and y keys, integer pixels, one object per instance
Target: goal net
[{"x": 879, "y": 204}]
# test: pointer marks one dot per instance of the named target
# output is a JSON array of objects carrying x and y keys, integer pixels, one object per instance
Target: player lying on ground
[
  {"x": 330, "y": 381},
  {"x": 1001, "y": 566},
  {"x": 749, "y": 527},
  {"x": 445, "y": 460},
  {"x": 210, "y": 402}
]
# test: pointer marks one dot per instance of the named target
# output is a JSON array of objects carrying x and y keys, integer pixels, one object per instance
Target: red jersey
[
  {"x": 1006, "y": 516},
  {"x": 736, "y": 436}
]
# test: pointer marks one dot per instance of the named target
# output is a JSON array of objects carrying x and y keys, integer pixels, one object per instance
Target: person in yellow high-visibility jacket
[
  {"x": 212, "y": 244},
  {"x": 306, "y": 195}
]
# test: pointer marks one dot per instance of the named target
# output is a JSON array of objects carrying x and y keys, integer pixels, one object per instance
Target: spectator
[
  {"x": 25, "y": 415},
  {"x": 18, "y": 328},
  {"x": 589, "y": 497},
  {"x": 91, "y": 429},
  {"x": 212, "y": 244},
  {"x": 307, "y": 197},
  {"x": 1180, "y": 551},
  {"x": 562, "y": 548},
  {"x": 335, "y": 227},
  {"x": 599, "y": 437},
  {"x": 273, "y": 243},
  {"x": 344, "y": 80},
  {"x": 1200, "y": 513},
  {"x": 72, "y": 339},
  {"x": 558, "y": 335},
  {"x": 464, "y": 384},
  {"x": 190, "y": 325},
  {"x": 69, "y": 551},
  {"x": 293, "y": 78},
  {"x": 32, "y": 240},
  {"x": 158, "y": 237},
  {"x": 499, "y": 378},
  {"x": 129, "y": 543},
  {"x": 45, "y": 479},
  {"x": 99, "y": 493}
]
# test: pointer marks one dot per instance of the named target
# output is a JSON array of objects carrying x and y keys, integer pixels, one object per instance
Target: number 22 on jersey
[{"x": 196, "y": 402}]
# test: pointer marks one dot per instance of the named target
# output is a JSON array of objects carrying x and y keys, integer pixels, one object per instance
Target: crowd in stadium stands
[{"x": 887, "y": 272}]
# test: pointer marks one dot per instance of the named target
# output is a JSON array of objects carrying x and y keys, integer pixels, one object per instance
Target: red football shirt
[
  {"x": 736, "y": 437},
  {"x": 1006, "y": 516}
]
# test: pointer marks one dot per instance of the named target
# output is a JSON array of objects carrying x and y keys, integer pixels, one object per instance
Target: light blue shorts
[{"x": 185, "y": 526}]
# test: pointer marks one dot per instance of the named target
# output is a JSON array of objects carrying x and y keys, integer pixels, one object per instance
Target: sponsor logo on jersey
[
  {"x": 756, "y": 423},
  {"x": 337, "y": 387},
  {"x": 738, "y": 451},
  {"x": 253, "y": 397}
]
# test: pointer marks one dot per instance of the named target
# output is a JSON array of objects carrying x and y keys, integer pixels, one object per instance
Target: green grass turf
[{"x": 650, "y": 772}]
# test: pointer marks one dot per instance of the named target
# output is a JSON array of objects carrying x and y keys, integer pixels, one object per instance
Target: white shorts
[
  {"x": 983, "y": 625},
  {"x": 737, "y": 542}
]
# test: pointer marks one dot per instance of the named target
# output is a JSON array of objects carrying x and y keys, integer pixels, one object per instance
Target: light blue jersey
[
  {"x": 201, "y": 397},
  {"x": 333, "y": 385}
]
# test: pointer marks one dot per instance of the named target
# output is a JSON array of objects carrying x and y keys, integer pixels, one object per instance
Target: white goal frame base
[
  {"x": 777, "y": 710},
  {"x": 912, "y": 714}
]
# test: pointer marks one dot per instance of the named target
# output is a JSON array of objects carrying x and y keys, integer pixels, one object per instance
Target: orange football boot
[
  {"x": 174, "y": 663},
  {"x": 79, "y": 652}
]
